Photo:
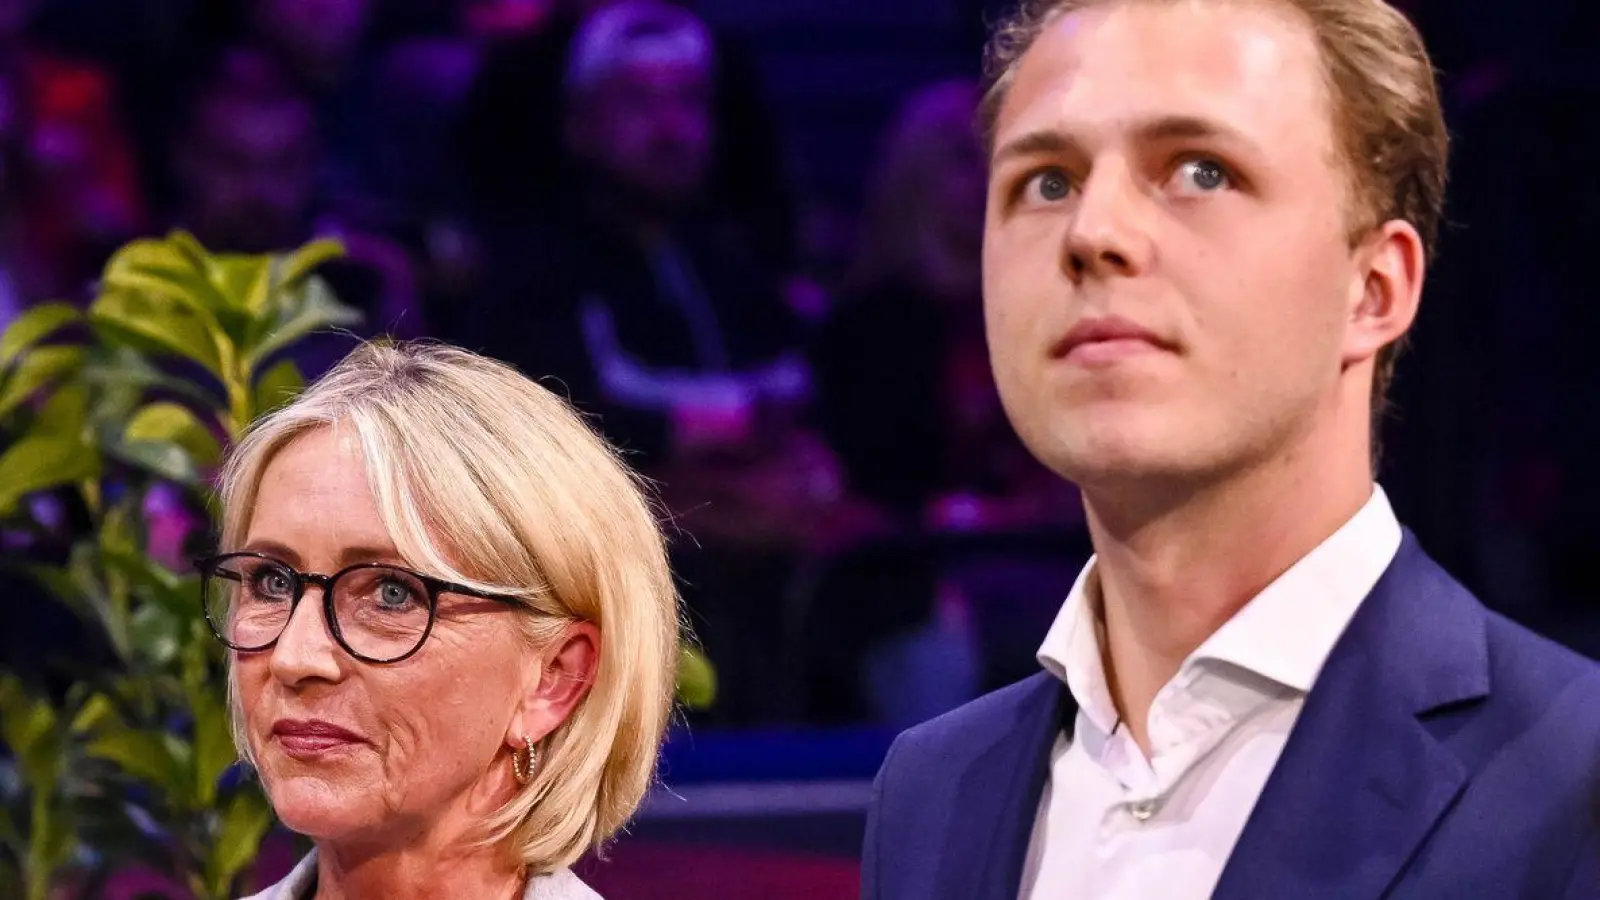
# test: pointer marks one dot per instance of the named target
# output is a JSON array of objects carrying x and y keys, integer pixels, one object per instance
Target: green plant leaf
[
  {"x": 164, "y": 460},
  {"x": 30, "y": 728},
  {"x": 302, "y": 262},
  {"x": 125, "y": 367},
  {"x": 96, "y": 713},
  {"x": 173, "y": 267},
  {"x": 63, "y": 583},
  {"x": 238, "y": 842},
  {"x": 153, "y": 583},
  {"x": 10, "y": 878},
  {"x": 120, "y": 537},
  {"x": 214, "y": 751},
  {"x": 39, "y": 462},
  {"x": 85, "y": 582},
  {"x": 179, "y": 595},
  {"x": 35, "y": 370},
  {"x": 34, "y": 325},
  {"x": 177, "y": 269},
  {"x": 273, "y": 301},
  {"x": 173, "y": 423},
  {"x": 246, "y": 281},
  {"x": 277, "y": 386},
  {"x": 65, "y": 414},
  {"x": 154, "y": 634},
  {"x": 158, "y": 324},
  {"x": 697, "y": 680},
  {"x": 51, "y": 843},
  {"x": 310, "y": 307},
  {"x": 153, "y": 757}
]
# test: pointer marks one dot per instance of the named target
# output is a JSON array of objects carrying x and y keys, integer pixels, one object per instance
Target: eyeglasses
[{"x": 378, "y": 613}]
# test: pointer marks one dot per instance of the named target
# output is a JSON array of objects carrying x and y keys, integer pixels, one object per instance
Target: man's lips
[{"x": 1104, "y": 340}]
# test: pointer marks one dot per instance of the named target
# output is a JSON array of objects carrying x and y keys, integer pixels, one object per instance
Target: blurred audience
[
  {"x": 646, "y": 299},
  {"x": 595, "y": 190},
  {"x": 906, "y": 399},
  {"x": 245, "y": 164},
  {"x": 905, "y": 393},
  {"x": 512, "y": 133},
  {"x": 69, "y": 190}
]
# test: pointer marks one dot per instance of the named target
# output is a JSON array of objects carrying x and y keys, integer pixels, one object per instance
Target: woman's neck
[{"x": 416, "y": 873}]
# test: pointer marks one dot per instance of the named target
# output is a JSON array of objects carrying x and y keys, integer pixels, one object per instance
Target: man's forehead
[{"x": 1251, "y": 67}]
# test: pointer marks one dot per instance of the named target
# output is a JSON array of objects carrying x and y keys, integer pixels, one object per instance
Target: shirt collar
[{"x": 1285, "y": 633}]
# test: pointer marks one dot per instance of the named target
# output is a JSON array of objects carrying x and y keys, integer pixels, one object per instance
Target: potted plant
[{"x": 180, "y": 351}]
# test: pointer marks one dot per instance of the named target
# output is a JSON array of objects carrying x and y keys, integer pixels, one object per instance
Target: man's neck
[{"x": 1169, "y": 578}]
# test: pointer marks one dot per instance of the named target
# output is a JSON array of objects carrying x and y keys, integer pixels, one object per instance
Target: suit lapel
[
  {"x": 1362, "y": 782},
  {"x": 997, "y": 798}
]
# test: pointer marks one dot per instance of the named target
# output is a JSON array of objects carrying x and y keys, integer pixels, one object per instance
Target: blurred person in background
[
  {"x": 69, "y": 191},
  {"x": 245, "y": 164},
  {"x": 911, "y": 317},
  {"x": 246, "y": 158},
  {"x": 324, "y": 48},
  {"x": 512, "y": 143},
  {"x": 642, "y": 296},
  {"x": 906, "y": 399},
  {"x": 453, "y": 633}
]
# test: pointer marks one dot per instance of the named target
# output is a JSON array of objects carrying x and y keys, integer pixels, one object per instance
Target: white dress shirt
[{"x": 1112, "y": 824}]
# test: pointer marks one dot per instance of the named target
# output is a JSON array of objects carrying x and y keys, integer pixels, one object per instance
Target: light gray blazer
[{"x": 562, "y": 885}]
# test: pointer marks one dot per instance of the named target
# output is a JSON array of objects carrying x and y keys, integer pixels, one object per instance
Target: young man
[{"x": 1208, "y": 225}]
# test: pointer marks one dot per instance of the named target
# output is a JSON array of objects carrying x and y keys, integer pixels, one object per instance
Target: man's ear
[
  {"x": 1386, "y": 290},
  {"x": 555, "y": 684}
]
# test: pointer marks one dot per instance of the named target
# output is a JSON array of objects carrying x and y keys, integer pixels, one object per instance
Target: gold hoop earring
[{"x": 523, "y": 761}]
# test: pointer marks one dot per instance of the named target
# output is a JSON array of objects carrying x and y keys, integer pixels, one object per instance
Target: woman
[{"x": 476, "y": 690}]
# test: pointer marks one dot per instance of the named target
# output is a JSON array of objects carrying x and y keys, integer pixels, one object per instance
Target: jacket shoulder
[{"x": 974, "y": 725}]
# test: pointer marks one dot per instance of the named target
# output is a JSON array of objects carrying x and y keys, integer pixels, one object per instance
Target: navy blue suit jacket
[{"x": 1443, "y": 752}]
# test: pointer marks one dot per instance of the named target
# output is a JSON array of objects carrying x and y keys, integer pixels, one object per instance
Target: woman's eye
[
  {"x": 269, "y": 582},
  {"x": 394, "y": 593},
  {"x": 1202, "y": 176},
  {"x": 1050, "y": 185}
]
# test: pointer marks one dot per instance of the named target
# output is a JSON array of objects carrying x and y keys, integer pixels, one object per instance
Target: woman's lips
[{"x": 310, "y": 739}]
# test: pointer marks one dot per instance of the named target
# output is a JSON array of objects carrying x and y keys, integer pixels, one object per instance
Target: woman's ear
[{"x": 555, "y": 684}]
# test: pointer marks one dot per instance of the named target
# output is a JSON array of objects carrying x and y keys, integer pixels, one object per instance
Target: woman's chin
[{"x": 318, "y": 809}]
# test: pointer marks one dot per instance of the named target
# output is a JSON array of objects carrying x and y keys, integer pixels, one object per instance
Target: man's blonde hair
[
  {"x": 1387, "y": 118},
  {"x": 487, "y": 479}
]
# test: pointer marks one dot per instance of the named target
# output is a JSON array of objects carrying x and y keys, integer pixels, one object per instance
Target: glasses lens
[
  {"x": 248, "y": 600},
  {"x": 382, "y": 613}
]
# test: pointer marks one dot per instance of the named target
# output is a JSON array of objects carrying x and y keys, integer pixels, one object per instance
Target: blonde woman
[{"x": 452, "y": 625}]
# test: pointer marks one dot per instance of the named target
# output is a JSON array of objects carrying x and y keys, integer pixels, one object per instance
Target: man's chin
[{"x": 1116, "y": 459}]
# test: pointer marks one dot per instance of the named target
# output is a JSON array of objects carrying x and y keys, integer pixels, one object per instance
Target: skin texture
[
  {"x": 392, "y": 814},
  {"x": 1174, "y": 166}
]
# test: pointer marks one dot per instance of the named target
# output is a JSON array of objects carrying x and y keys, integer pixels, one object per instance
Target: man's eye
[
  {"x": 1050, "y": 185},
  {"x": 1202, "y": 176}
]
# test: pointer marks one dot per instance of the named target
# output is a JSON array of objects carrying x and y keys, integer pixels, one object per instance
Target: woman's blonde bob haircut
[{"x": 490, "y": 480}]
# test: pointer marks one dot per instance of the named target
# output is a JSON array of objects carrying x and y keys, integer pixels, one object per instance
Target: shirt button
[{"x": 1143, "y": 810}]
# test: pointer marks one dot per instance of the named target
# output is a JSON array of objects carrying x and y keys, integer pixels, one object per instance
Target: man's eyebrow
[
  {"x": 1047, "y": 142},
  {"x": 1166, "y": 128},
  {"x": 1034, "y": 143}
]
